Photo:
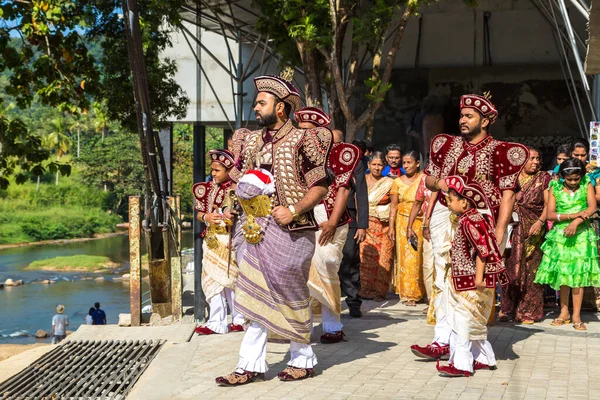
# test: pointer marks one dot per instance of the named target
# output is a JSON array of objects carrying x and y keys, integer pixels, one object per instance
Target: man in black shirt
[{"x": 358, "y": 207}]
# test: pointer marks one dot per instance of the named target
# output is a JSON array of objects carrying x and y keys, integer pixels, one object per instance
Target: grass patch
[{"x": 73, "y": 263}]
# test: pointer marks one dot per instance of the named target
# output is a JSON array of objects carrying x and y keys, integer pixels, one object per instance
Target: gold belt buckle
[{"x": 256, "y": 207}]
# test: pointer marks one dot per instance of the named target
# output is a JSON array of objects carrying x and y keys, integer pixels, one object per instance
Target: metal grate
[{"x": 83, "y": 369}]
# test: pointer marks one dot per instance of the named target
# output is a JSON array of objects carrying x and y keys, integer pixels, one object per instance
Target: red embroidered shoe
[
  {"x": 477, "y": 365},
  {"x": 203, "y": 330},
  {"x": 451, "y": 371},
  {"x": 432, "y": 351},
  {"x": 329, "y": 338},
  {"x": 238, "y": 379},
  {"x": 236, "y": 328}
]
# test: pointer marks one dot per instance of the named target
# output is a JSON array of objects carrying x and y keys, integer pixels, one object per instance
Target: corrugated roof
[{"x": 227, "y": 17}]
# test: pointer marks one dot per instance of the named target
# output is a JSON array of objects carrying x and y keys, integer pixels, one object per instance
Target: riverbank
[
  {"x": 9, "y": 350},
  {"x": 62, "y": 241}
]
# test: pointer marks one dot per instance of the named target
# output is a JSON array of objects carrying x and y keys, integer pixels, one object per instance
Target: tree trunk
[
  {"x": 78, "y": 140},
  {"x": 37, "y": 185},
  {"x": 312, "y": 85},
  {"x": 57, "y": 171}
]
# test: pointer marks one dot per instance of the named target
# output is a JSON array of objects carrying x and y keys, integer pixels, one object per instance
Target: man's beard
[
  {"x": 268, "y": 120},
  {"x": 473, "y": 132}
]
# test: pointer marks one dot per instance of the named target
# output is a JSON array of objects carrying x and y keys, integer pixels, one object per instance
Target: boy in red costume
[
  {"x": 476, "y": 267},
  {"x": 219, "y": 269}
]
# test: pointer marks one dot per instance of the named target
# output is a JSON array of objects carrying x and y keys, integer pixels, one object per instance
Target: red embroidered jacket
[
  {"x": 475, "y": 237},
  {"x": 341, "y": 162},
  {"x": 494, "y": 164},
  {"x": 208, "y": 196},
  {"x": 297, "y": 158}
]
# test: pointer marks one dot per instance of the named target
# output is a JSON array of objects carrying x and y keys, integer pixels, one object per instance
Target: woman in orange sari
[
  {"x": 376, "y": 250},
  {"x": 408, "y": 274}
]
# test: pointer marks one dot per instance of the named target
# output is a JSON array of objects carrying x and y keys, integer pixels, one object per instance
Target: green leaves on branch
[
  {"x": 21, "y": 152},
  {"x": 47, "y": 57},
  {"x": 377, "y": 90}
]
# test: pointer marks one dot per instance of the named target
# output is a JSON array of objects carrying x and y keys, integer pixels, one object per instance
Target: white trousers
[
  {"x": 330, "y": 320},
  {"x": 464, "y": 351},
  {"x": 441, "y": 236},
  {"x": 428, "y": 268},
  {"x": 253, "y": 351},
  {"x": 217, "y": 321}
]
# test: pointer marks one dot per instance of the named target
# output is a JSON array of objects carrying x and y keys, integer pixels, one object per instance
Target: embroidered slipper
[
  {"x": 560, "y": 321},
  {"x": 238, "y": 379},
  {"x": 579, "y": 326},
  {"x": 295, "y": 374},
  {"x": 527, "y": 322}
]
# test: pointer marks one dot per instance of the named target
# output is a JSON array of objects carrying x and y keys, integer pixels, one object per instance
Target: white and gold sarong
[
  {"x": 323, "y": 281},
  {"x": 219, "y": 268}
]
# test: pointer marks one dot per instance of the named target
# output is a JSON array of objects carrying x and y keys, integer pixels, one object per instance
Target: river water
[{"x": 27, "y": 308}]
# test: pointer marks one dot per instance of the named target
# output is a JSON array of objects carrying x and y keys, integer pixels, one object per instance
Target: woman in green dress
[{"x": 570, "y": 260}]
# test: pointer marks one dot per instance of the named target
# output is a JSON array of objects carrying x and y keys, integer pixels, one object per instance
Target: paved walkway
[{"x": 534, "y": 362}]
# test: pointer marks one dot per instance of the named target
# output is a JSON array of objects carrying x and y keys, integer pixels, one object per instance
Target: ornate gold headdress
[
  {"x": 487, "y": 95},
  {"x": 287, "y": 74}
]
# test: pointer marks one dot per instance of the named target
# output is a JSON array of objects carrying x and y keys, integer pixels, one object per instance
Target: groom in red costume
[{"x": 493, "y": 164}]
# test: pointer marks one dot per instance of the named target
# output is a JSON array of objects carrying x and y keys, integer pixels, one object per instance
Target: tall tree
[
  {"x": 44, "y": 49},
  {"x": 336, "y": 40},
  {"x": 58, "y": 139}
]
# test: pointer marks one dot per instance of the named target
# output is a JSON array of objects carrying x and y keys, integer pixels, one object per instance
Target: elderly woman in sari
[
  {"x": 408, "y": 275},
  {"x": 376, "y": 250},
  {"x": 522, "y": 299}
]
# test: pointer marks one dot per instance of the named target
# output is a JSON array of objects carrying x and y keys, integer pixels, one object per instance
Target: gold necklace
[{"x": 525, "y": 181}]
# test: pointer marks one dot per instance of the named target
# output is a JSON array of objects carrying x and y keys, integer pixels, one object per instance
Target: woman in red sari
[
  {"x": 376, "y": 250},
  {"x": 522, "y": 299}
]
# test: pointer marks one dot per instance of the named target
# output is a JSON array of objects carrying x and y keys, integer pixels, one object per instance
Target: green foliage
[
  {"x": 157, "y": 19},
  {"x": 69, "y": 56},
  {"x": 301, "y": 20},
  {"x": 117, "y": 163},
  {"x": 54, "y": 222},
  {"x": 72, "y": 263},
  {"x": 183, "y": 162},
  {"x": 69, "y": 210}
]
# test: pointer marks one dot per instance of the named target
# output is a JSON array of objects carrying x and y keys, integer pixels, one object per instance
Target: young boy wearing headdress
[
  {"x": 219, "y": 269},
  {"x": 476, "y": 267}
]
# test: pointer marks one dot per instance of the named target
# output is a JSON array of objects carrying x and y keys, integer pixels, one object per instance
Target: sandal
[
  {"x": 503, "y": 317},
  {"x": 238, "y": 379},
  {"x": 411, "y": 303},
  {"x": 560, "y": 321},
  {"x": 579, "y": 326},
  {"x": 527, "y": 322},
  {"x": 295, "y": 374}
]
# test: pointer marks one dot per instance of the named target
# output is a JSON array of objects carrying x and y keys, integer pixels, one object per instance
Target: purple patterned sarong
[{"x": 272, "y": 283}]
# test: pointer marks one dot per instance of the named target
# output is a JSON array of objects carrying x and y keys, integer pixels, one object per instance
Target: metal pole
[
  {"x": 240, "y": 85},
  {"x": 199, "y": 176},
  {"x": 586, "y": 84},
  {"x": 135, "y": 261},
  {"x": 581, "y": 9},
  {"x": 166, "y": 139}
]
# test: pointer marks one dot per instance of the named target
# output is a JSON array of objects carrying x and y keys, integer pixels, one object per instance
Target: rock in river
[
  {"x": 40, "y": 334},
  {"x": 16, "y": 282}
]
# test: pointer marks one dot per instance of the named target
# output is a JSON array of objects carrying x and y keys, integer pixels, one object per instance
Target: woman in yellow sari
[
  {"x": 376, "y": 251},
  {"x": 408, "y": 274}
]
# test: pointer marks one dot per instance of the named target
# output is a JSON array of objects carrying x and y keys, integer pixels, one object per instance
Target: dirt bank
[
  {"x": 9, "y": 350},
  {"x": 61, "y": 241}
]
